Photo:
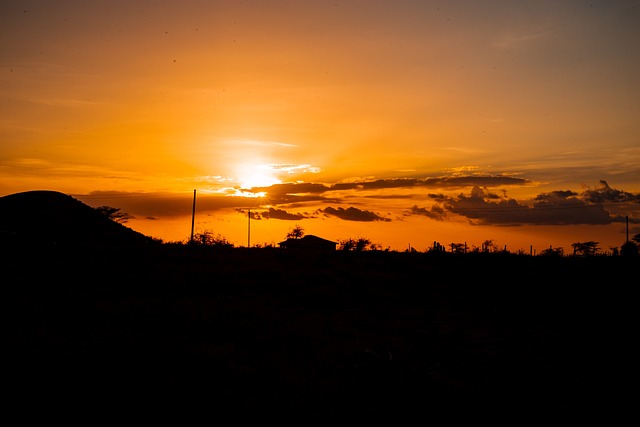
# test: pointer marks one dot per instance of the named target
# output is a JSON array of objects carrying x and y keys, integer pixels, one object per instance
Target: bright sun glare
[{"x": 251, "y": 176}]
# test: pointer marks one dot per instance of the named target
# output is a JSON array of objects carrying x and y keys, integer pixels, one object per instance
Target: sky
[{"x": 406, "y": 122}]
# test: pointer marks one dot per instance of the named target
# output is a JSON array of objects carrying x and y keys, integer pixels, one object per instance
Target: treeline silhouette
[
  {"x": 361, "y": 244},
  {"x": 263, "y": 334}
]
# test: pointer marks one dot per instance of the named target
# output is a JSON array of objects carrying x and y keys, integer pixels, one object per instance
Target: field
[{"x": 270, "y": 335}]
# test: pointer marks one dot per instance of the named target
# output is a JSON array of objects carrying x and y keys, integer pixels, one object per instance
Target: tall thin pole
[
  {"x": 249, "y": 229},
  {"x": 193, "y": 214},
  {"x": 627, "y": 219}
]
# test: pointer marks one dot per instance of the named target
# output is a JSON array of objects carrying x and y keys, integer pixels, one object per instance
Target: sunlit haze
[{"x": 407, "y": 122}]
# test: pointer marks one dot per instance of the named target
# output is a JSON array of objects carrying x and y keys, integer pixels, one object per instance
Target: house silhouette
[{"x": 308, "y": 243}]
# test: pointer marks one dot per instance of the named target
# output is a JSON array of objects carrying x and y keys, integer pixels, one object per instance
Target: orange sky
[{"x": 406, "y": 122}]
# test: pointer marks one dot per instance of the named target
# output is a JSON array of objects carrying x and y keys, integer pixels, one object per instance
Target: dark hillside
[{"x": 45, "y": 217}]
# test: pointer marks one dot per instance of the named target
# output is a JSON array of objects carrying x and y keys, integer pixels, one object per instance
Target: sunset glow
[
  {"x": 256, "y": 176},
  {"x": 409, "y": 122}
]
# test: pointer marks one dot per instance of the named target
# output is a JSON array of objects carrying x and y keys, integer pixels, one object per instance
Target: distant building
[{"x": 309, "y": 243}]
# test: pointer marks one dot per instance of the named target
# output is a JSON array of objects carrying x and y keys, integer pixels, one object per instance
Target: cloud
[
  {"x": 294, "y": 168},
  {"x": 476, "y": 180},
  {"x": 162, "y": 204},
  {"x": 353, "y": 214},
  {"x": 478, "y": 204},
  {"x": 292, "y": 188},
  {"x": 292, "y": 192},
  {"x": 604, "y": 193},
  {"x": 436, "y": 212},
  {"x": 517, "y": 40},
  {"x": 274, "y": 213},
  {"x": 286, "y": 190},
  {"x": 560, "y": 207},
  {"x": 349, "y": 214}
]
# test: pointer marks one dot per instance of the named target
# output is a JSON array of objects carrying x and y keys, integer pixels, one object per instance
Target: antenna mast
[{"x": 193, "y": 215}]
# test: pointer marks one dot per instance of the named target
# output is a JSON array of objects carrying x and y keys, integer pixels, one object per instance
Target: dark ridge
[{"x": 45, "y": 218}]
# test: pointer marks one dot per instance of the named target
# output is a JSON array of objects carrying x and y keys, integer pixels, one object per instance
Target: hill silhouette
[{"x": 44, "y": 217}]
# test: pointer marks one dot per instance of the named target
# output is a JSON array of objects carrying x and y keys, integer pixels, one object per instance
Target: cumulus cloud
[
  {"x": 560, "y": 207},
  {"x": 555, "y": 208},
  {"x": 603, "y": 193}
]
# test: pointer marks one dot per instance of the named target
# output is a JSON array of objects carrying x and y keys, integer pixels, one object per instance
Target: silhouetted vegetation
[
  {"x": 552, "y": 252},
  {"x": 296, "y": 232},
  {"x": 209, "y": 238},
  {"x": 357, "y": 244},
  {"x": 353, "y": 335},
  {"x": 458, "y": 248},
  {"x": 114, "y": 214},
  {"x": 630, "y": 248},
  {"x": 585, "y": 248}
]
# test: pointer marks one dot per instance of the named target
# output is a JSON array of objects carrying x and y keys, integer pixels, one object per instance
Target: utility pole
[
  {"x": 249, "y": 229},
  {"x": 193, "y": 215},
  {"x": 627, "y": 218}
]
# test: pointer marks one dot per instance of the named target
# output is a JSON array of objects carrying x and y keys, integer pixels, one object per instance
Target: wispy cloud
[
  {"x": 521, "y": 38},
  {"x": 293, "y": 168}
]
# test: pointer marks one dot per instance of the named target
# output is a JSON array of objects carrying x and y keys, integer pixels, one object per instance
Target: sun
[{"x": 256, "y": 175}]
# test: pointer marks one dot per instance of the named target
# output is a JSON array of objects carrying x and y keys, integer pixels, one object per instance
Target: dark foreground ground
[{"x": 260, "y": 335}]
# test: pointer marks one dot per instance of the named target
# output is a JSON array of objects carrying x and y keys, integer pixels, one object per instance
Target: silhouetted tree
[
  {"x": 265, "y": 245},
  {"x": 629, "y": 248},
  {"x": 367, "y": 244},
  {"x": 346, "y": 244},
  {"x": 113, "y": 214},
  {"x": 437, "y": 247},
  {"x": 552, "y": 252},
  {"x": 360, "y": 244},
  {"x": 296, "y": 232},
  {"x": 585, "y": 248},
  {"x": 209, "y": 238},
  {"x": 458, "y": 248},
  {"x": 489, "y": 246}
]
